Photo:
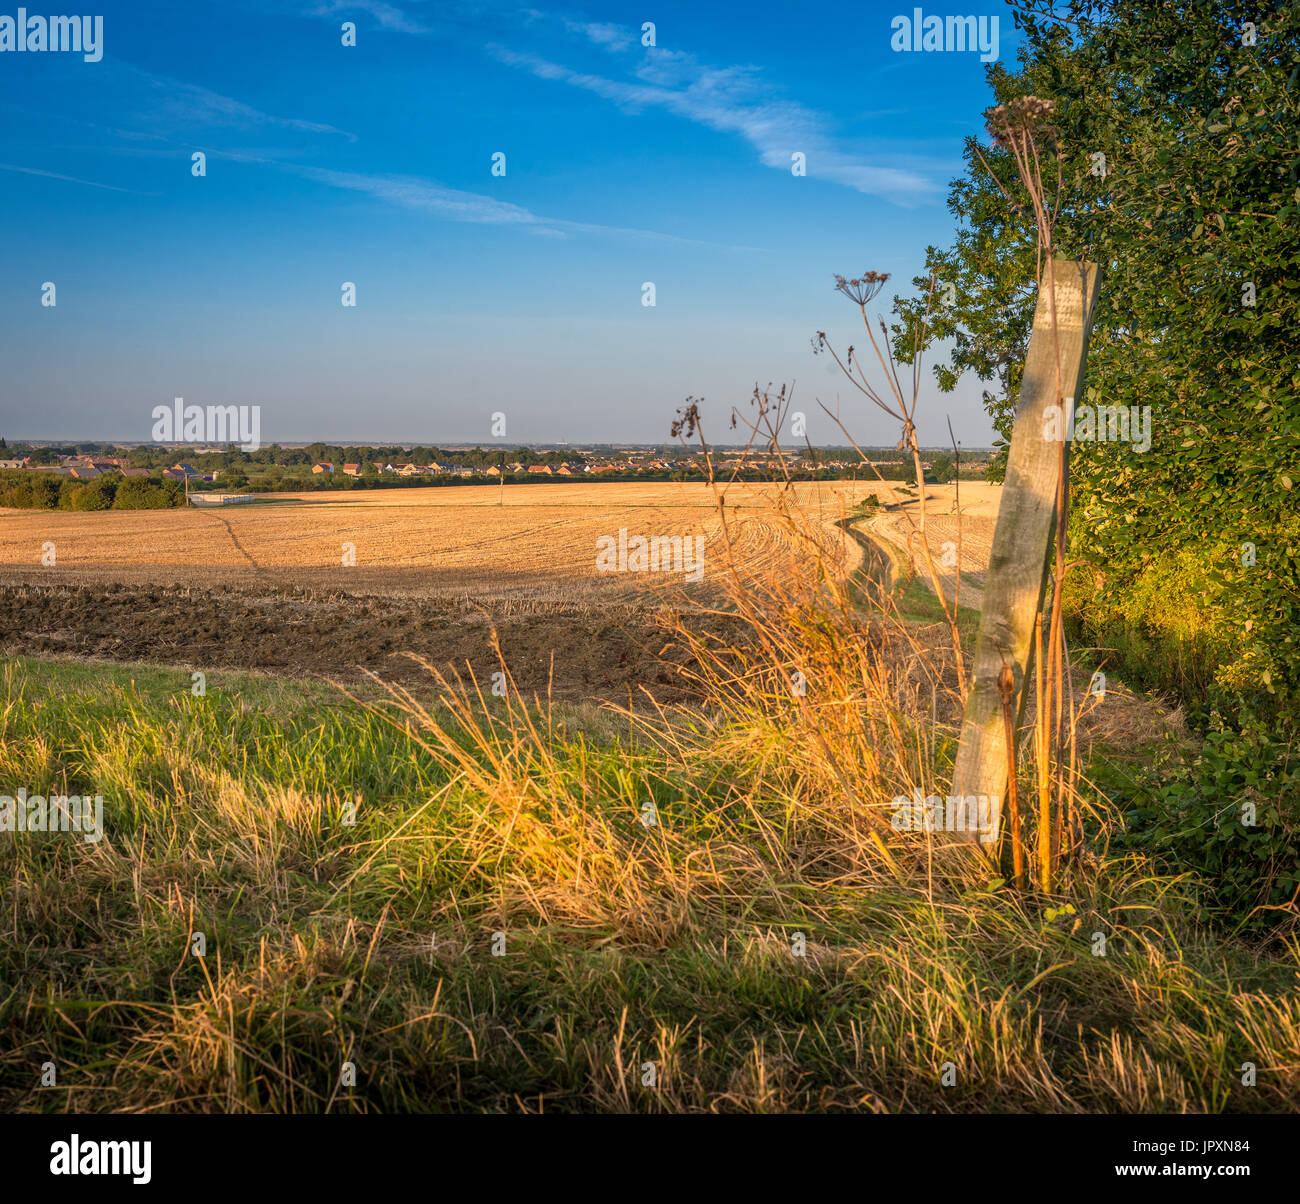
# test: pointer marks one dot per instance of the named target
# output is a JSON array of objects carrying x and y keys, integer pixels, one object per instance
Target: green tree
[
  {"x": 1180, "y": 176},
  {"x": 942, "y": 470},
  {"x": 90, "y": 495},
  {"x": 145, "y": 493}
]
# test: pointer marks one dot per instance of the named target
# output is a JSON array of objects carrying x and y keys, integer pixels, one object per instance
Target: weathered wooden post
[{"x": 1022, "y": 544}]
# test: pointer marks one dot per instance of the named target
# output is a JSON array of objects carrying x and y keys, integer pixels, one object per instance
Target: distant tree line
[{"x": 279, "y": 469}]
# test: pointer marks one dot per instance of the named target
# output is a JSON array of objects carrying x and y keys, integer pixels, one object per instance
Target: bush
[
  {"x": 145, "y": 493},
  {"x": 88, "y": 495},
  {"x": 28, "y": 490},
  {"x": 1198, "y": 817}
]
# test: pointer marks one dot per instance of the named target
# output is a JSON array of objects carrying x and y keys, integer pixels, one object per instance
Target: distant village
[
  {"x": 90, "y": 468},
  {"x": 284, "y": 468}
]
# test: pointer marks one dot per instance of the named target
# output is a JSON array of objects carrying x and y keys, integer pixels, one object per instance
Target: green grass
[
  {"x": 913, "y": 597},
  {"x": 917, "y": 604},
  {"x": 624, "y": 945}
]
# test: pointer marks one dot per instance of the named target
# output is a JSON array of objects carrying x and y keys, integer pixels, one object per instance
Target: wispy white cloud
[
  {"x": 411, "y": 192},
  {"x": 733, "y": 100},
  {"x": 602, "y": 33},
  {"x": 453, "y": 204},
  {"x": 175, "y": 107},
  {"x": 156, "y": 109},
  {"x": 386, "y": 16},
  {"x": 54, "y": 175}
]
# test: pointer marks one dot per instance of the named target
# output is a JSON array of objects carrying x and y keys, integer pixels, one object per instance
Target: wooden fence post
[{"x": 1022, "y": 545}]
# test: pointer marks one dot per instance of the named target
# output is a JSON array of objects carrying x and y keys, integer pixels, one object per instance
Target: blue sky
[{"x": 475, "y": 293}]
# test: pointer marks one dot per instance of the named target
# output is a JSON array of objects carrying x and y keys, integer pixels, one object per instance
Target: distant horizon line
[{"x": 535, "y": 445}]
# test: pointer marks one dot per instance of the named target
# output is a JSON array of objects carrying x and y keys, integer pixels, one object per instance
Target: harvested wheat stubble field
[
  {"x": 452, "y": 541},
  {"x": 263, "y": 587}
]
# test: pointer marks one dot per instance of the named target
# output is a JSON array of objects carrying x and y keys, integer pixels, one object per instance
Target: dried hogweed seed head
[
  {"x": 688, "y": 419},
  {"x": 862, "y": 289},
  {"x": 1026, "y": 117}
]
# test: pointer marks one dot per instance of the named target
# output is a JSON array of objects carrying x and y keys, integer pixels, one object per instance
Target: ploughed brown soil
[
  {"x": 586, "y": 652},
  {"x": 267, "y": 586}
]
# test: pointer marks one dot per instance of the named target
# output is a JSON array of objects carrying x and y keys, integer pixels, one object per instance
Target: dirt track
[{"x": 953, "y": 539}]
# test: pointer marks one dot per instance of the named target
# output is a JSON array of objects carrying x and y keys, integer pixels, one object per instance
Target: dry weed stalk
[
  {"x": 861, "y": 291},
  {"x": 852, "y": 698}
]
